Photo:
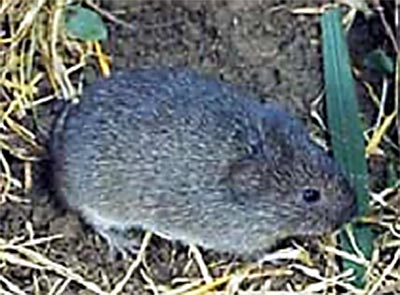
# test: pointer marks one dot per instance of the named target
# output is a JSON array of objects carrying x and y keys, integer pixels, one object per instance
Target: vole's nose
[
  {"x": 352, "y": 212},
  {"x": 354, "y": 209},
  {"x": 348, "y": 211}
]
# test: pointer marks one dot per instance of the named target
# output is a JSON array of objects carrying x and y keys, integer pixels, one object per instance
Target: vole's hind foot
[{"x": 118, "y": 243}]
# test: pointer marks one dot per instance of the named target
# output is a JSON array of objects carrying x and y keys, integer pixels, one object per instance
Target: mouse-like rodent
[{"x": 196, "y": 159}]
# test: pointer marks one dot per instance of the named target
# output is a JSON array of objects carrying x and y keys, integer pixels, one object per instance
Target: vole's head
[
  {"x": 295, "y": 186},
  {"x": 313, "y": 189}
]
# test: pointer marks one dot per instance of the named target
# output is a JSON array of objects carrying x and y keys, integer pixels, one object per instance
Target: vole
[{"x": 196, "y": 159}]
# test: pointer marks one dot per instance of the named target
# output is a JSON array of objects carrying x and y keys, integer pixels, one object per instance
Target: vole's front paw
[
  {"x": 118, "y": 243},
  {"x": 114, "y": 232}
]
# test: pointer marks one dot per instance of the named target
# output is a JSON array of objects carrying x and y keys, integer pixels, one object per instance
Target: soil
[{"x": 258, "y": 44}]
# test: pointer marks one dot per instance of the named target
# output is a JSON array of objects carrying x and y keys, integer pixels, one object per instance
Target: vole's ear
[
  {"x": 243, "y": 174},
  {"x": 242, "y": 178}
]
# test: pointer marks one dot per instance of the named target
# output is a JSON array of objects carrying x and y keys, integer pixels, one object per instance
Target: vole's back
[{"x": 187, "y": 156}]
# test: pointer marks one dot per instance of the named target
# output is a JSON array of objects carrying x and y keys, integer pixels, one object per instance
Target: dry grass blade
[
  {"x": 385, "y": 273},
  {"x": 14, "y": 289},
  {"x": 139, "y": 258},
  {"x": 36, "y": 260}
]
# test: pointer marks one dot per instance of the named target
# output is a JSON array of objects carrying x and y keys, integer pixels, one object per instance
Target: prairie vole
[{"x": 196, "y": 159}]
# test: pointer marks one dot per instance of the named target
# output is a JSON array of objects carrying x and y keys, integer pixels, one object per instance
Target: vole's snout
[
  {"x": 330, "y": 193},
  {"x": 351, "y": 207},
  {"x": 346, "y": 208},
  {"x": 330, "y": 200}
]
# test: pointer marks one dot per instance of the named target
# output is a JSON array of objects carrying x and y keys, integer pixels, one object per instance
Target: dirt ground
[{"x": 258, "y": 44}]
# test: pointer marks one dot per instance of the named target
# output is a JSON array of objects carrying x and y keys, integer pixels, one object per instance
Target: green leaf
[
  {"x": 346, "y": 130},
  {"x": 379, "y": 61},
  {"x": 84, "y": 24}
]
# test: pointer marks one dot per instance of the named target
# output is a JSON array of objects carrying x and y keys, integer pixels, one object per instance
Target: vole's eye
[{"x": 311, "y": 195}]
